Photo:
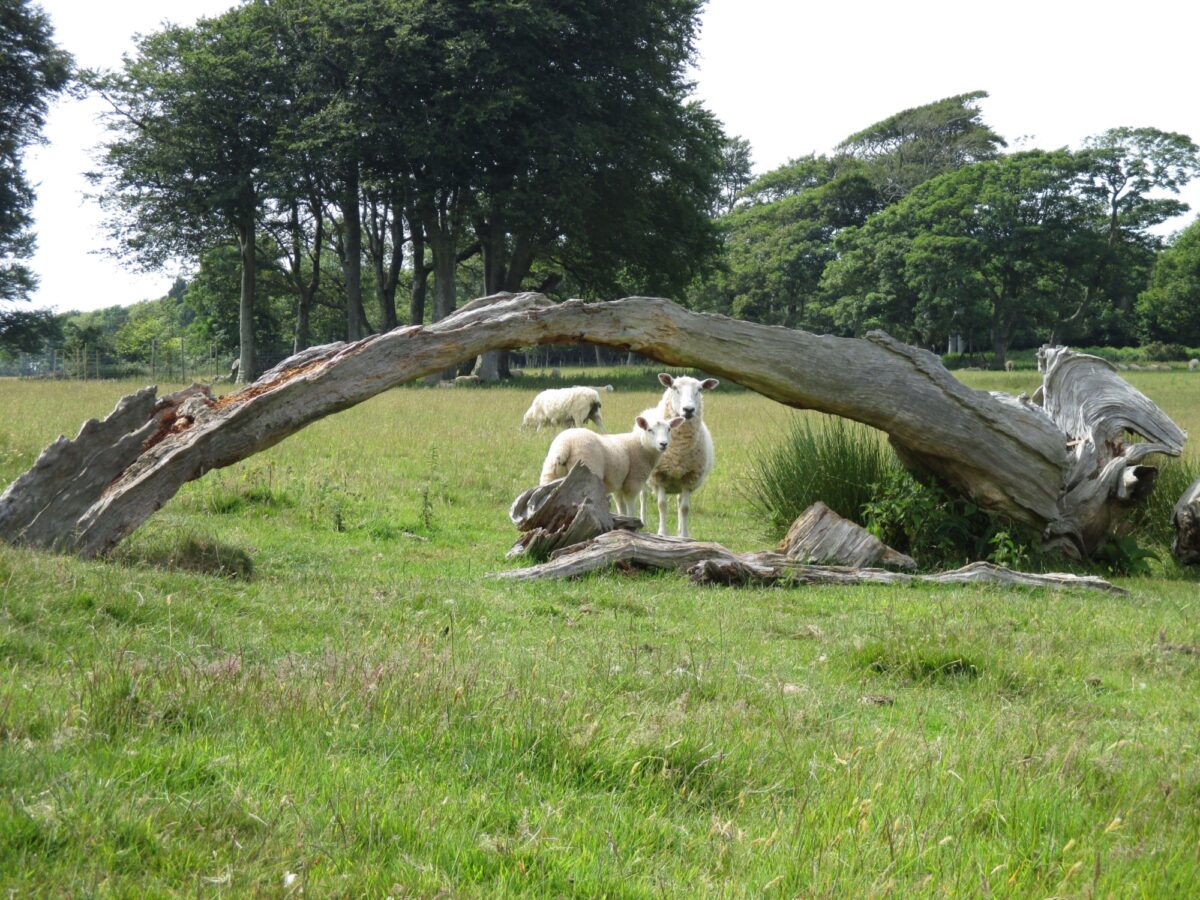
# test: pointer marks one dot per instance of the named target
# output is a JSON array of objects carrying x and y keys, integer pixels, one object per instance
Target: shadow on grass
[{"x": 191, "y": 553}]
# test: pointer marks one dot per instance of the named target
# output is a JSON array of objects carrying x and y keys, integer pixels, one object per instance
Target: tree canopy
[
  {"x": 33, "y": 69},
  {"x": 526, "y": 132},
  {"x": 1169, "y": 308}
]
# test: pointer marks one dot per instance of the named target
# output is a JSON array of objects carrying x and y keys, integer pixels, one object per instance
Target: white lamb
[
  {"x": 621, "y": 461},
  {"x": 689, "y": 459},
  {"x": 571, "y": 406}
]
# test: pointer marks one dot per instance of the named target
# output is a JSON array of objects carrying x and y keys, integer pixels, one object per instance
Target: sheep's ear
[
  {"x": 666, "y": 379},
  {"x": 709, "y": 384},
  {"x": 641, "y": 423},
  {"x": 677, "y": 421}
]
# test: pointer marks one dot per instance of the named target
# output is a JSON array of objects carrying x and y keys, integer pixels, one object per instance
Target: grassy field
[{"x": 298, "y": 678}]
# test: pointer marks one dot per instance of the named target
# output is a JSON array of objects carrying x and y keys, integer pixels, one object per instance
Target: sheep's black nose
[
  {"x": 689, "y": 411},
  {"x": 662, "y": 445}
]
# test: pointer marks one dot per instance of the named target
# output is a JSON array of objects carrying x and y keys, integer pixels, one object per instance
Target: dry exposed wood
[
  {"x": 819, "y": 535},
  {"x": 1186, "y": 519},
  {"x": 709, "y": 563},
  {"x": 1062, "y": 468},
  {"x": 563, "y": 512}
]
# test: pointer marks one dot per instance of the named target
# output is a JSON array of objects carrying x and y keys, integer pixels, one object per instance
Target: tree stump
[
  {"x": 563, "y": 512},
  {"x": 1186, "y": 519}
]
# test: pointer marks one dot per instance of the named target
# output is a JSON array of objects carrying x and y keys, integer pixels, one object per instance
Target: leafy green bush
[
  {"x": 837, "y": 462},
  {"x": 1157, "y": 351},
  {"x": 940, "y": 530}
]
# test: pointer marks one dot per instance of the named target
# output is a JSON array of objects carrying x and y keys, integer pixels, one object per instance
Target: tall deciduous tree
[
  {"x": 556, "y": 130},
  {"x": 195, "y": 115},
  {"x": 1170, "y": 307},
  {"x": 1128, "y": 172},
  {"x": 32, "y": 71},
  {"x": 994, "y": 245},
  {"x": 917, "y": 144},
  {"x": 779, "y": 241}
]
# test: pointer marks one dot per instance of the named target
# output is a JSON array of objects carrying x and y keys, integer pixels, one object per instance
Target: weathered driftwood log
[
  {"x": 709, "y": 563},
  {"x": 563, "y": 512},
  {"x": 1186, "y": 519},
  {"x": 819, "y": 535},
  {"x": 1042, "y": 466}
]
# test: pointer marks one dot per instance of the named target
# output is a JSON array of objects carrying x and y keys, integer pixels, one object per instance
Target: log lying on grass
[
  {"x": 1186, "y": 519},
  {"x": 1062, "y": 468},
  {"x": 709, "y": 563},
  {"x": 819, "y": 535}
]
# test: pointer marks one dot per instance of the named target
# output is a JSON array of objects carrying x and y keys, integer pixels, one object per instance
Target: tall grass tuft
[
  {"x": 836, "y": 462},
  {"x": 1150, "y": 520}
]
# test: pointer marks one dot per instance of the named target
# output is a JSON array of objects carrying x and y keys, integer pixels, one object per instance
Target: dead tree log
[
  {"x": 710, "y": 563},
  {"x": 819, "y": 535},
  {"x": 1061, "y": 467},
  {"x": 1186, "y": 519}
]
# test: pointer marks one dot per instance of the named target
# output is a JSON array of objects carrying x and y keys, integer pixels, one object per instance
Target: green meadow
[{"x": 298, "y": 678}]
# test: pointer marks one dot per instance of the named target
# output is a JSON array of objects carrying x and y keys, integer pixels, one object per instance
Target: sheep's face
[
  {"x": 684, "y": 395},
  {"x": 656, "y": 435}
]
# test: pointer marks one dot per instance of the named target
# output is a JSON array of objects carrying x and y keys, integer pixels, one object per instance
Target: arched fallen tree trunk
[{"x": 1061, "y": 466}]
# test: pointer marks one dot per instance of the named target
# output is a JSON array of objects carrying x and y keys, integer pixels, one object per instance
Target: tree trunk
[
  {"x": 356, "y": 318},
  {"x": 502, "y": 271},
  {"x": 443, "y": 246},
  {"x": 248, "y": 360},
  {"x": 306, "y": 288},
  {"x": 420, "y": 276},
  {"x": 1064, "y": 466},
  {"x": 385, "y": 240}
]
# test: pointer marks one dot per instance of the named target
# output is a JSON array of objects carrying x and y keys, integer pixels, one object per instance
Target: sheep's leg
[
  {"x": 685, "y": 502},
  {"x": 642, "y": 506},
  {"x": 662, "y": 511}
]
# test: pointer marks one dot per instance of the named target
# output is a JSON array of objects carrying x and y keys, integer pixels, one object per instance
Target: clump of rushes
[{"x": 835, "y": 461}]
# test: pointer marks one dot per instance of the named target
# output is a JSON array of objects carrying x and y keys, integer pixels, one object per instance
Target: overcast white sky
[{"x": 790, "y": 77}]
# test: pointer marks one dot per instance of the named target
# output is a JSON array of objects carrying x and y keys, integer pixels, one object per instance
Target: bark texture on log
[
  {"x": 1186, "y": 519},
  {"x": 1007, "y": 453},
  {"x": 709, "y": 563},
  {"x": 819, "y": 535},
  {"x": 1088, "y": 401}
]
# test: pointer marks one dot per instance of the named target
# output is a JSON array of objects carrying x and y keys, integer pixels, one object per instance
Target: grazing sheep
[
  {"x": 689, "y": 459},
  {"x": 621, "y": 461},
  {"x": 571, "y": 406},
  {"x": 1009, "y": 365},
  {"x": 1193, "y": 365},
  {"x": 467, "y": 380}
]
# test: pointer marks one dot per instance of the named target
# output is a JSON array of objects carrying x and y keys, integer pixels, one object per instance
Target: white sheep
[
  {"x": 572, "y": 406},
  {"x": 1193, "y": 365},
  {"x": 689, "y": 459},
  {"x": 621, "y": 461}
]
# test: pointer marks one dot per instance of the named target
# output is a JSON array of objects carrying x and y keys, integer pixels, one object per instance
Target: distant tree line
[
  {"x": 921, "y": 225},
  {"x": 332, "y": 168}
]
